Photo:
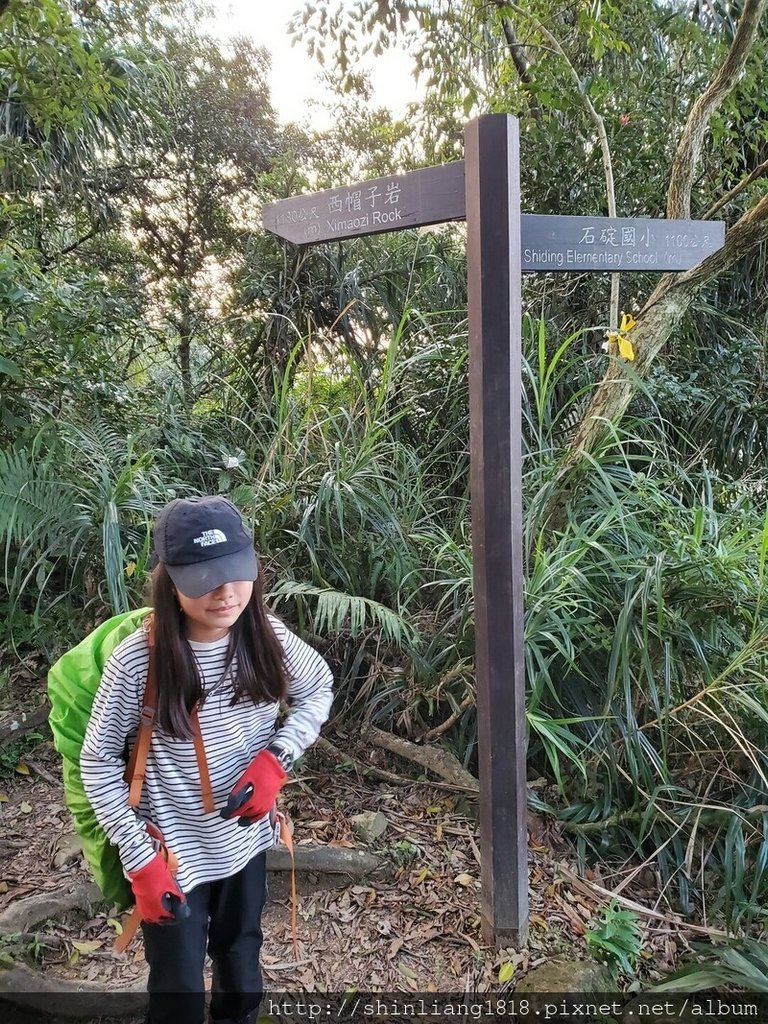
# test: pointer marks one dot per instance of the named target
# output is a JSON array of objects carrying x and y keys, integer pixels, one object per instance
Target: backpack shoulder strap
[
  {"x": 202, "y": 764},
  {"x": 137, "y": 763}
]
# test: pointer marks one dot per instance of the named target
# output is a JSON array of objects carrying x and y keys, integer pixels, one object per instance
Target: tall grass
[{"x": 646, "y": 629}]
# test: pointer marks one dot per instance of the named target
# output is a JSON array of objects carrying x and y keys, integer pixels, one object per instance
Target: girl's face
[{"x": 211, "y": 616}]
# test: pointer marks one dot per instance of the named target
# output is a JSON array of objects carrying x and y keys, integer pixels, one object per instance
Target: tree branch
[
  {"x": 686, "y": 159},
  {"x": 451, "y": 720},
  {"x": 516, "y": 51},
  {"x": 49, "y": 260},
  {"x": 602, "y": 135},
  {"x": 441, "y": 762},
  {"x": 758, "y": 172},
  {"x": 519, "y": 59}
]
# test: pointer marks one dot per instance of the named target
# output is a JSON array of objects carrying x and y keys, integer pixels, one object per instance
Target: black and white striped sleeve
[
  {"x": 114, "y": 717},
  {"x": 310, "y": 693}
]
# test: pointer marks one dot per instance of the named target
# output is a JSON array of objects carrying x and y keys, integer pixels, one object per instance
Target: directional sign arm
[
  {"x": 552, "y": 244},
  {"x": 427, "y": 196}
]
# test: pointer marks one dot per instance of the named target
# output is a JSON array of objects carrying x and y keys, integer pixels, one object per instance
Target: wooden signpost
[
  {"x": 484, "y": 189},
  {"x": 434, "y": 195}
]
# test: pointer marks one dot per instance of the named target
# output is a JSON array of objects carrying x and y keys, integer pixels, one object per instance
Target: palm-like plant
[
  {"x": 58, "y": 137},
  {"x": 75, "y": 509},
  {"x": 741, "y": 965}
]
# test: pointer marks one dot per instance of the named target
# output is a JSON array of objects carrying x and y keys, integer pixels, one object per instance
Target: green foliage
[
  {"x": 75, "y": 508},
  {"x": 616, "y": 938},
  {"x": 335, "y": 611},
  {"x": 13, "y": 753},
  {"x": 713, "y": 393},
  {"x": 646, "y": 632},
  {"x": 188, "y": 205},
  {"x": 639, "y": 64},
  {"x": 154, "y": 342},
  {"x": 70, "y": 95},
  {"x": 740, "y": 965},
  {"x": 67, "y": 339},
  {"x": 404, "y": 852}
]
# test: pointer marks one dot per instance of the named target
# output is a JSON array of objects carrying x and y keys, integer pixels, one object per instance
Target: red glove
[
  {"x": 158, "y": 898},
  {"x": 255, "y": 792}
]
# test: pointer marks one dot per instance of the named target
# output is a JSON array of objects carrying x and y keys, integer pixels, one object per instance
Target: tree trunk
[
  {"x": 441, "y": 762},
  {"x": 14, "y": 726},
  {"x": 185, "y": 344},
  {"x": 686, "y": 160}
]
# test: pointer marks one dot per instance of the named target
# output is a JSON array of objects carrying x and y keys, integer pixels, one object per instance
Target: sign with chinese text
[
  {"x": 427, "y": 196},
  {"x": 549, "y": 243},
  {"x": 616, "y": 243}
]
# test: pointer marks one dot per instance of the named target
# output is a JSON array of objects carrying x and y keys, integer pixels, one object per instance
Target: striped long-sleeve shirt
[{"x": 208, "y": 847}]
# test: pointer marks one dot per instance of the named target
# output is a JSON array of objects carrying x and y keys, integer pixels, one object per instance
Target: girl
[{"x": 221, "y": 666}]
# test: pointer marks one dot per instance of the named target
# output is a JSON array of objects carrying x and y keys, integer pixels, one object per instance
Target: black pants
[{"x": 227, "y": 916}]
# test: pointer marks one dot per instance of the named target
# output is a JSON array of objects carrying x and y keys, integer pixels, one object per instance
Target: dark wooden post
[{"x": 494, "y": 279}]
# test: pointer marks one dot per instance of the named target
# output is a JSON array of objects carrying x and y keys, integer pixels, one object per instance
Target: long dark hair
[{"x": 258, "y": 656}]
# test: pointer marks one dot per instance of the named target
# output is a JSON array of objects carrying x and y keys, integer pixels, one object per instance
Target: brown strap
[
  {"x": 131, "y": 923},
  {"x": 202, "y": 764},
  {"x": 287, "y": 838},
  {"x": 129, "y": 927},
  {"x": 137, "y": 763}
]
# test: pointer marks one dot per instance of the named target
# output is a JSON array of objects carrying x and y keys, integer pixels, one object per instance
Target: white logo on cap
[{"x": 209, "y": 537}]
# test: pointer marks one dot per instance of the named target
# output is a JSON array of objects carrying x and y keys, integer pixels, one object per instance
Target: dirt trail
[{"x": 417, "y": 929}]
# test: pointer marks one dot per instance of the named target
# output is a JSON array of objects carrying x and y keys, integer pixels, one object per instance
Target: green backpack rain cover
[{"x": 72, "y": 685}]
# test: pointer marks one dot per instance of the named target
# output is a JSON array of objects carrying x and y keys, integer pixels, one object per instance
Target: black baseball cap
[{"x": 203, "y": 543}]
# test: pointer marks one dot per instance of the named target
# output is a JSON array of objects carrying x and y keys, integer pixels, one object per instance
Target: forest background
[{"x": 154, "y": 342}]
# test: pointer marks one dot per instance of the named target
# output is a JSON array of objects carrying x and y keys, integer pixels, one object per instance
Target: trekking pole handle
[
  {"x": 172, "y": 903},
  {"x": 236, "y": 800}
]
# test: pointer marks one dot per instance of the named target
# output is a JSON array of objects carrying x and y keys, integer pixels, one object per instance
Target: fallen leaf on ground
[
  {"x": 506, "y": 971},
  {"x": 86, "y": 947},
  {"x": 407, "y": 972}
]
